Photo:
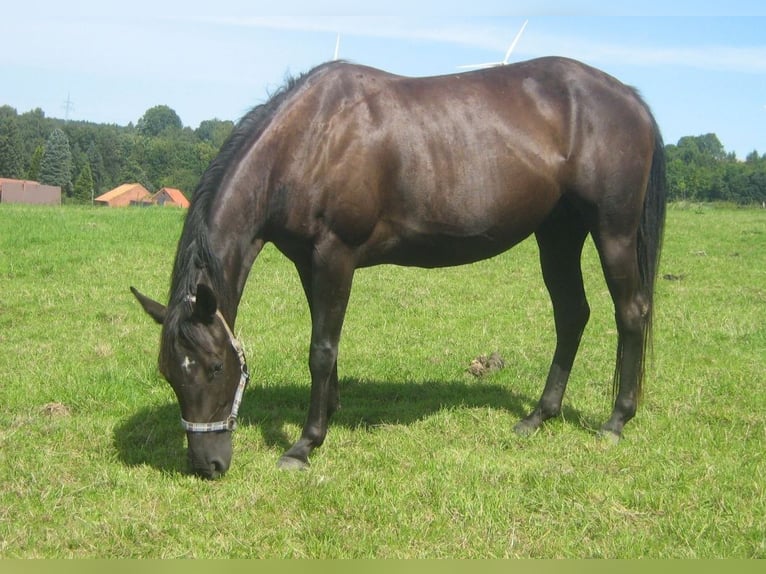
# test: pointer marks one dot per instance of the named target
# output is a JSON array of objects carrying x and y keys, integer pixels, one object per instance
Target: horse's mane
[{"x": 194, "y": 252}]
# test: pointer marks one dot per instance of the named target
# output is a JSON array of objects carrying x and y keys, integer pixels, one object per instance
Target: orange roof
[
  {"x": 176, "y": 195},
  {"x": 136, "y": 188}
]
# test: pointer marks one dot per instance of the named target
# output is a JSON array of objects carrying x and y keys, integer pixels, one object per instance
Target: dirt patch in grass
[
  {"x": 55, "y": 410},
  {"x": 484, "y": 365}
]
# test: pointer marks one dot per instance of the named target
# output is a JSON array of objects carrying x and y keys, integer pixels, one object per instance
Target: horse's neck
[
  {"x": 238, "y": 217},
  {"x": 234, "y": 234}
]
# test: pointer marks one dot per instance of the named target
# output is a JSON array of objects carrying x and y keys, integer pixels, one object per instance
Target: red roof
[
  {"x": 123, "y": 194},
  {"x": 175, "y": 195}
]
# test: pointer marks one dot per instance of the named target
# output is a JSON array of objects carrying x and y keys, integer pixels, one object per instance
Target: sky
[{"x": 702, "y": 69}]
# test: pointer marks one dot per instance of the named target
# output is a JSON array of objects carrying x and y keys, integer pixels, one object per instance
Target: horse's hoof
[
  {"x": 291, "y": 464},
  {"x": 525, "y": 428},
  {"x": 609, "y": 437}
]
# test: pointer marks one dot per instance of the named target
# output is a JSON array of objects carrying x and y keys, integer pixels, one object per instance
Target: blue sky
[{"x": 701, "y": 68}]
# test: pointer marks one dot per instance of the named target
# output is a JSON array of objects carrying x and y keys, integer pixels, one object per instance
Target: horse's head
[{"x": 205, "y": 365}]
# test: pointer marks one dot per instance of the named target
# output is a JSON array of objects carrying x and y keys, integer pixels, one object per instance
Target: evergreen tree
[
  {"x": 56, "y": 164},
  {"x": 34, "y": 129},
  {"x": 96, "y": 165},
  {"x": 33, "y": 173},
  {"x": 11, "y": 160},
  {"x": 83, "y": 187}
]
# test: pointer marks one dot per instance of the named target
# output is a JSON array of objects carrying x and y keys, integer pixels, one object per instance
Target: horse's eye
[{"x": 217, "y": 369}]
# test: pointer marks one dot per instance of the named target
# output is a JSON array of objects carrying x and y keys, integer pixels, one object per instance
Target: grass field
[{"x": 422, "y": 460}]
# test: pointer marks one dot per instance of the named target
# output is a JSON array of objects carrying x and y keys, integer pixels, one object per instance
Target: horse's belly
[{"x": 439, "y": 250}]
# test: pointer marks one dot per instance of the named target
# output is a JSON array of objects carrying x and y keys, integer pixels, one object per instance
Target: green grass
[{"x": 422, "y": 460}]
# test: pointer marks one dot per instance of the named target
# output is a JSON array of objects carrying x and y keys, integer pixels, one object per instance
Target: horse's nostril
[
  {"x": 213, "y": 469},
  {"x": 209, "y": 455},
  {"x": 209, "y": 473},
  {"x": 217, "y": 468}
]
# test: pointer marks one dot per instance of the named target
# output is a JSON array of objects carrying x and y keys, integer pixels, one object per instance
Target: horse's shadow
[{"x": 153, "y": 436}]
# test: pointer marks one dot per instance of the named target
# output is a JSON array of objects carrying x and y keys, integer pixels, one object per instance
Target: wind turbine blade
[
  {"x": 515, "y": 41},
  {"x": 507, "y": 54},
  {"x": 480, "y": 66},
  {"x": 337, "y": 47}
]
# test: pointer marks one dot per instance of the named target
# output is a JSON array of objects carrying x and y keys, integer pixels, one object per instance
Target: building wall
[{"x": 13, "y": 191}]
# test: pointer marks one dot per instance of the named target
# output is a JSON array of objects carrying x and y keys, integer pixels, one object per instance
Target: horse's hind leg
[
  {"x": 619, "y": 260},
  {"x": 560, "y": 240}
]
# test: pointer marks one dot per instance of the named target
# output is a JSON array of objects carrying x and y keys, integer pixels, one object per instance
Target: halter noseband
[{"x": 231, "y": 421}]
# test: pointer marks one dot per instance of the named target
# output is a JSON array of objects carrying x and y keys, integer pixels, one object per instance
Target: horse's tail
[{"x": 650, "y": 234}]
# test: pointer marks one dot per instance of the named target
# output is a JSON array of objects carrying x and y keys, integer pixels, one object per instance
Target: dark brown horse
[{"x": 349, "y": 167}]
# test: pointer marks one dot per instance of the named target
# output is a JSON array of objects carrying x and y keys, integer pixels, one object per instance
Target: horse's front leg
[
  {"x": 304, "y": 268},
  {"x": 330, "y": 286}
]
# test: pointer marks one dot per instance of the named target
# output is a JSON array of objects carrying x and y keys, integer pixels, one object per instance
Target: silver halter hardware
[{"x": 231, "y": 421}]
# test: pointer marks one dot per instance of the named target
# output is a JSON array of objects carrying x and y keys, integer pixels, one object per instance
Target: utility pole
[{"x": 68, "y": 107}]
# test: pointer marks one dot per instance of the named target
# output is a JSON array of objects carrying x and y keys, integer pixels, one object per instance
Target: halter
[{"x": 230, "y": 423}]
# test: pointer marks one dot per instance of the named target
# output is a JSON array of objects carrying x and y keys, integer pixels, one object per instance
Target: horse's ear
[
  {"x": 155, "y": 310},
  {"x": 205, "y": 303}
]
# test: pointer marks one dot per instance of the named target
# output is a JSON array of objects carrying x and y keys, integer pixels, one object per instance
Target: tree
[
  {"x": 83, "y": 187},
  {"x": 33, "y": 173},
  {"x": 96, "y": 165},
  {"x": 158, "y": 120},
  {"x": 110, "y": 144},
  {"x": 700, "y": 169},
  {"x": 7, "y": 111},
  {"x": 34, "y": 129},
  {"x": 11, "y": 159},
  {"x": 214, "y": 131},
  {"x": 56, "y": 164},
  {"x": 711, "y": 147},
  {"x": 132, "y": 172}
]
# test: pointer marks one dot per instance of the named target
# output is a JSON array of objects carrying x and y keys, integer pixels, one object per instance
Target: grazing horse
[{"x": 348, "y": 166}]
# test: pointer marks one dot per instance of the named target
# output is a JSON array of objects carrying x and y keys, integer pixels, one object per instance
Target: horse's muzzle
[{"x": 209, "y": 453}]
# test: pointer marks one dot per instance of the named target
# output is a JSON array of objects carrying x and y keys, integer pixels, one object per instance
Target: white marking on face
[{"x": 187, "y": 364}]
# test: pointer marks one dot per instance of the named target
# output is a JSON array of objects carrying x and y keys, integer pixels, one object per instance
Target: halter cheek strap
[{"x": 230, "y": 423}]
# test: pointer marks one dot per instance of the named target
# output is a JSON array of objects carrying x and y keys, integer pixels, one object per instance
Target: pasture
[{"x": 422, "y": 460}]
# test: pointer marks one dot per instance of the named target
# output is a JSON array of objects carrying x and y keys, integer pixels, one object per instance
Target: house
[
  {"x": 170, "y": 196},
  {"x": 123, "y": 195},
  {"x": 21, "y": 191}
]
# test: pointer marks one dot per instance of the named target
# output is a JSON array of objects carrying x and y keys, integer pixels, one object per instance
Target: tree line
[
  {"x": 87, "y": 159},
  {"x": 700, "y": 169}
]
